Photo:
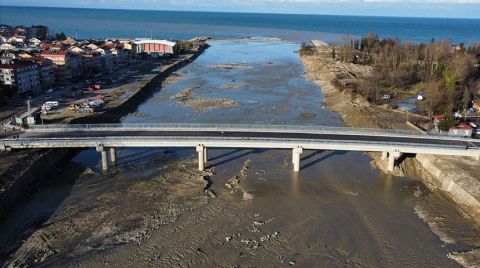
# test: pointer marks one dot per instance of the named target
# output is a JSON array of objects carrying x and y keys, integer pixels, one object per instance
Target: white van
[{"x": 51, "y": 103}]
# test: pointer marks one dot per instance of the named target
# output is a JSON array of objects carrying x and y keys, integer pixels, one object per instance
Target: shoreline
[
  {"x": 463, "y": 189},
  {"x": 22, "y": 178}
]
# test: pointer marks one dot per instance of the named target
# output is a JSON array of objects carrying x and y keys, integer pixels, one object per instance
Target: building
[
  {"x": 16, "y": 40},
  {"x": 22, "y": 76},
  {"x": 46, "y": 71},
  {"x": 92, "y": 63},
  {"x": 462, "y": 129},
  {"x": 151, "y": 46},
  {"x": 76, "y": 50},
  {"x": 67, "y": 65},
  {"x": 106, "y": 59},
  {"x": 7, "y": 56},
  {"x": 34, "y": 42}
]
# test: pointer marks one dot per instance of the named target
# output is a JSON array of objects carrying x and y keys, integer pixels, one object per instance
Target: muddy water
[{"x": 336, "y": 212}]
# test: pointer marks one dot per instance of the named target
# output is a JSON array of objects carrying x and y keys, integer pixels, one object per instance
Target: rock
[
  {"x": 88, "y": 171},
  {"x": 232, "y": 182},
  {"x": 418, "y": 192},
  {"x": 247, "y": 196},
  {"x": 209, "y": 193},
  {"x": 258, "y": 223},
  {"x": 292, "y": 263}
]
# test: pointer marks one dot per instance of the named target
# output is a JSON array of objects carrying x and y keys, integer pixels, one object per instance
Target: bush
[{"x": 446, "y": 123}]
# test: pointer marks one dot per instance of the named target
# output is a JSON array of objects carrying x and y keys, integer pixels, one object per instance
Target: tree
[
  {"x": 333, "y": 53},
  {"x": 449, "y": 77},
  {"x": 60, "y": 36},
  {"x": 446, "y": 123},
  {"x": 41, "y": 33}
]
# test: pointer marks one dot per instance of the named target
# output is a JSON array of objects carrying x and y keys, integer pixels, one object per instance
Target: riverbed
[{"x": 153, "y": 210}]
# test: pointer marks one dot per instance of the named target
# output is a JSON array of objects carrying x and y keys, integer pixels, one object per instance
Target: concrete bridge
[{"x": 107, "y": 137}]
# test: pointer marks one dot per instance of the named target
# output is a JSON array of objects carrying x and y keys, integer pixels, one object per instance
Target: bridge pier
[
  {"x": 201, "y": 157},
  {"x": 205, "y": 154},
  {"x": 113, "y": 156},
  {"x": 296, "y": 158},
  {"x": 103, "y": 151},
  {"x": 392, "y": 157}
]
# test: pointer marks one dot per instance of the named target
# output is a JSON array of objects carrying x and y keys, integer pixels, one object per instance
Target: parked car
[{"x": 52, "y": 103}]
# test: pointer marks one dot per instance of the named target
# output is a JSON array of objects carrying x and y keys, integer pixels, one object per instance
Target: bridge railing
[
  {"x": 206, "y": 127},
  {"x": 216, "y": 127}
]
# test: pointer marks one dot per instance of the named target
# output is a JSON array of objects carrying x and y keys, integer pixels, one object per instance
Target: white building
[
  {"x": 21, "y": 76},
  {"x": 151, "y": 46}
]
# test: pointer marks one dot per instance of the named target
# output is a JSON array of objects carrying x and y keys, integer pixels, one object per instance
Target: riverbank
[
  {"x": 21, "y": 175},
  {"x": 455, "y": 177}
]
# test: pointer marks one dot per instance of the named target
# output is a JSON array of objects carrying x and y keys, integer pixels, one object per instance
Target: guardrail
[{"x": 313, "y": 129}]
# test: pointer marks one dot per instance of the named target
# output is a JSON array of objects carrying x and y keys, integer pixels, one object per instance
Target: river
[{"x": 337, "y": 211}]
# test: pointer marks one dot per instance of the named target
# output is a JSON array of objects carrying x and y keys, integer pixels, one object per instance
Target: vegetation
[
  {"x": 60, "y": 36},
  {"x": 446, "y": 123},
  {"x": 448, "y": 74},
  {"x": 41, "y": 33}
]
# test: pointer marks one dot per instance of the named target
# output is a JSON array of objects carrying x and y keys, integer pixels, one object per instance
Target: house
[
  {"x": 46, "y": 46},
  {"x": 462, "y": 129},
  {"x": 7, "y": 47},
  {"x": 34, "y": 42},
  {"x": 70, "y": 41},
  {"x": 76, "y": 50},
  {"x": 16, "y": 40},
  {"x": 58, "y": 47},
  {"x": 22, "y": 76},
  {"x": 92, "y": 47},
  {"x": 437, "y": 119}
]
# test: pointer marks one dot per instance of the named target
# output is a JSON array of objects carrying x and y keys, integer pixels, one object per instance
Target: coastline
[
  {"x": 439, "y": 173},
  {"x": 23, "y": 177}
]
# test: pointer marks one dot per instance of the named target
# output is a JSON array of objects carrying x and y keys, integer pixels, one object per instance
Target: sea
[{"x": 106, "y": 23}]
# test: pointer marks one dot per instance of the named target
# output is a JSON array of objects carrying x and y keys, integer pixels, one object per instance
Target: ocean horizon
[{"x": 84, "y": 23}]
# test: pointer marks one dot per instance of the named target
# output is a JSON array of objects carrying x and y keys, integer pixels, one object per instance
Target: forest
[{"x": 446, "y": 73}]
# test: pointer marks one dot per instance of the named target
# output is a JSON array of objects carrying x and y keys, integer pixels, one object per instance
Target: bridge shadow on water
[
  {"x": 317, "y": 157},
  {"x": 225, "y": 154},
  {"x": 246, "y": 153}
]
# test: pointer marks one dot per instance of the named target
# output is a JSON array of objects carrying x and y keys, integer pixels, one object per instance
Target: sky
[{"x": 402, "y": 8}]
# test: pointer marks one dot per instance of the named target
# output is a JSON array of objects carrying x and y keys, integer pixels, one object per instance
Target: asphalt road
[{"x": 96, "y": 134}]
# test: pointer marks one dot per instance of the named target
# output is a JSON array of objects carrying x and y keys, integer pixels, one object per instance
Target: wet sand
[{"x": 257, "y": 212}]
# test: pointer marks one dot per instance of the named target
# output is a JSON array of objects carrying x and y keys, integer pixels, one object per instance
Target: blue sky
[{"x": 404, "y": 8}]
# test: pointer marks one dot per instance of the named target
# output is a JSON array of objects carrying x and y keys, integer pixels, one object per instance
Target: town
[{"x": 37, "y": 66}]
